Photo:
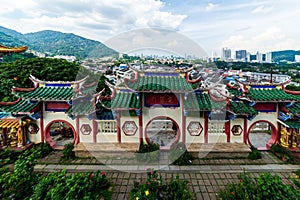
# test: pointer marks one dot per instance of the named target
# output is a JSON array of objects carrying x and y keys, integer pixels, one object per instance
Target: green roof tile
[
  {"x": 81, "y": 107},
  {"x": 241, "y": 108},
  {"x": 295, "y": 108},
  {"x": 293, "y": 123},
  {"x": 22, "y": 106},
  {"x": 234, "y": 92},
  {"x": 160, "y": 84},
  {"x": 125, "y": 100},
  {"x": 197, "y": 102},
  {"x": 47, "y": 94},
  {"x": 270, "y": 95}
]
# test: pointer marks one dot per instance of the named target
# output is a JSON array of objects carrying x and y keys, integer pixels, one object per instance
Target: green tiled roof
[
  {"x": 293, "y": 123},
  {"x": 295, "y": 108},
  {"x": 241, "y": 108},
  {"x": 218, "y": 105},
  {"x": 234, "y": 92},
  {"x": 160, "y": 84},
  {"x": 81, "y": 107},
  {"x": 22, "y": 106},
  {"x": 125, "y": 100},
  {"x": 197, "y": 102},
  {"x": 47, "y": 94},
  {"x": 270, "y": 95}
]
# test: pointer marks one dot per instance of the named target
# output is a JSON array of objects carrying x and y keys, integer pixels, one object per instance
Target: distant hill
[
  {"x": 56, "y": 43},
  {"x": 286, "y": 55}
]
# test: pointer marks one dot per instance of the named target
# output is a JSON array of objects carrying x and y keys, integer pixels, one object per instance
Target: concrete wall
[
  {"x": 189, "y": 137},
  {"x": 132, "y": 138},
  {"x": 240, "y": 138}
]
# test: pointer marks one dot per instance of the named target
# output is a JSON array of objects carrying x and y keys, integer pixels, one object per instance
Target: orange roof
[
  {"x": 9, "y": 123},
  {"x": 7, "y": 50}
]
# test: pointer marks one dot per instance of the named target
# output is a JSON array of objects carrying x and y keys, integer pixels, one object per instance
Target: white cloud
[
  {"x": 90, "y": 18},
  {"x": 262, "y": 9},
  {"x": 211, "y": 7},
  {"x": 270, "y": 39}
]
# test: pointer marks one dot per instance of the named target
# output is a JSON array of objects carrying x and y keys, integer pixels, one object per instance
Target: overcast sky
[{"x": 254, "y": 25}]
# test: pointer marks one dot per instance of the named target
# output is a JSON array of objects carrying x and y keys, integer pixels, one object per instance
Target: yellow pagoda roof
[{"x": 7, "y": 50}]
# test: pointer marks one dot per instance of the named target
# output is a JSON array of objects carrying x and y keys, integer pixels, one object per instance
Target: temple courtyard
[{"x": 206, "y": 176}]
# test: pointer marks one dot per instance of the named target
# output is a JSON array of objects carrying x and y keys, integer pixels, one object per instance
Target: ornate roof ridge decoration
[
  {"x": 7, "y": 50},
  {"x": 18, "y": 89},
  {"x": 167, "y": 72},
  {"x": 192, "y": 81},
  {"x": 216, "y": 99},
  {"x": 20, "y": 106},
  {"x": 38, "y": 81},
  {"x": 10, "y": 103},
  {"x": 113, "y": 88},
  {"x": 268, "y": 84},
  {"x": 292, "y": 92}
]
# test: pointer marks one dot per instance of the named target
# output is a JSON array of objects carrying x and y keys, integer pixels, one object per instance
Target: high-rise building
[
  {"x": 226, "y": 53},
  {"x": 241, "y": 55}
]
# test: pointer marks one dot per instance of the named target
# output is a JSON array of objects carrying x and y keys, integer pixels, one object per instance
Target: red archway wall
[
  {"x": 166, "y": 117},
  {"x": 48, "y": 137},
  {"x": 274, "y": 136}
]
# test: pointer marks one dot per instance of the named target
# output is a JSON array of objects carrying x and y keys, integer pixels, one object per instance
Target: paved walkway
[{"x": 206, "y": 176}]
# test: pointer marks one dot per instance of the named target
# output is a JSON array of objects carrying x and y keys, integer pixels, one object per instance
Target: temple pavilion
[{"x": 163, "y": 107}]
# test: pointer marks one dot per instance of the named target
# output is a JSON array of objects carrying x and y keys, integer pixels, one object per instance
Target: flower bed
[
  {"x": 265, "y": 186},
  {"x": 24, "y": 183},
  {"x": 154, "y": 188}
]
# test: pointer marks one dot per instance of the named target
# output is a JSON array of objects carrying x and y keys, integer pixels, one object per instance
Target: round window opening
[{"x": 163, "y": 131}]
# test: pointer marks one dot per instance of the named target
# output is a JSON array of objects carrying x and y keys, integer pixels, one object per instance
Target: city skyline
[{"x": 255, "y": 25}]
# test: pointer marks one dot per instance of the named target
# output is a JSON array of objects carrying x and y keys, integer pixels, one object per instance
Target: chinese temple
[
  {"x": 4, "y": 50},
  {"x": 164, "y": 107}
]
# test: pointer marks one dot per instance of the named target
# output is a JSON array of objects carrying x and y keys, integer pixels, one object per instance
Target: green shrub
[
  {"x": 60, "y": 185},
  {"x": 179, "y": 154},
  {"x": 254, "y": 154},
  {"x": 68, "y": 151},
  {"x": 148, "y": 152},
  {"x": 19, "y": 183},
  {"x": 154, "y": 188},
  {"x": 282, "y": 153},
  {"x": 266, "y": 186}
]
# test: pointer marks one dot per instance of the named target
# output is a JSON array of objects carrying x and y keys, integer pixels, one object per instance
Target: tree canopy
[{"x": 16, "y": 74}]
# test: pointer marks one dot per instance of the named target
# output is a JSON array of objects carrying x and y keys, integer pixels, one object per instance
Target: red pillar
[
  {"x": 245, "y": 130},
  {"x": 95, "y": 131},
  {"x": 227, "y": 130},
  {"x": 141, "y": 128},
  {"x": 118, "y": 126},
  {"x": 77, "y": 131},
  {"x": 205, "y": 127},
  {"x": 183, "y": 119},
  {"x": 42, "y": 123}
]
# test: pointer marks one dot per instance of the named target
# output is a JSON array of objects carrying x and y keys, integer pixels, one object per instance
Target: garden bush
[
  {"x": 24, "y": 183},
  {"x": 59, "y": 186},
  {"x": 265, "y": 186},
  {"x": 282, "y": 153},
  {"x": 148, "y": 152},
  {"x": 179, "y": 154},
  {"x": 254, "y": 154},
  {"x": 68, "y": 151},
  {"x": 154, "y": 188}
]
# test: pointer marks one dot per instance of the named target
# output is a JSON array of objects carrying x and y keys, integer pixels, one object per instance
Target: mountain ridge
[{"x": 53, "y": 43}]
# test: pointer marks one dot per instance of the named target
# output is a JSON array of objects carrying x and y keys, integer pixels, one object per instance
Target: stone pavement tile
[
  {"x": 203, "y": 189},
  {"x": 209, "y": 188},
  {"x": 205, "y": 196},
  {"x": 206, "y": 182},
  {"x": 39, "y": 167},
  {"x": 199, "y": 195},
  {"x": 121, "y": 196},
  {"x": 212, "y": 196},
  {"x": 204, "y": 176}
]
